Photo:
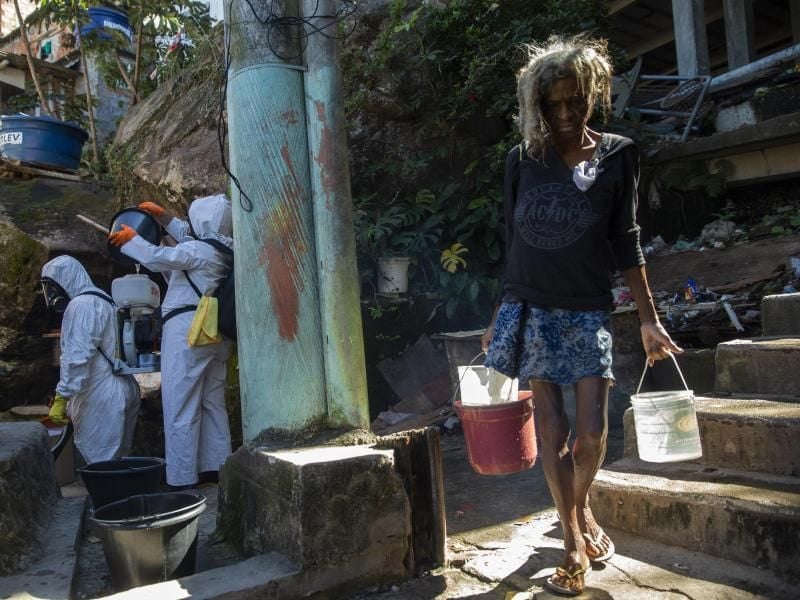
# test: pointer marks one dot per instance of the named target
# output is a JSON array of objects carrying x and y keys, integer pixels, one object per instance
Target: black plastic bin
[
  {"x": 150, "y": 538},
  {"x": 111, "y": 480}
]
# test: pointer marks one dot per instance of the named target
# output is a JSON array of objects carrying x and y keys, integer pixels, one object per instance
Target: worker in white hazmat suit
[
  {"x": 103, "y": 406},
  {"x": 196, "y": 430}
]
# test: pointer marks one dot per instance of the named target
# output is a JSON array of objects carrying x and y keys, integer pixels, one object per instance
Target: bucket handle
[
  {"x": 674, "y": 360},
  {"x": 458, "y": 387}
]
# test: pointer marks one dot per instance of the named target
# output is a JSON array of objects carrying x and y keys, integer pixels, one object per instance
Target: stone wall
[{"x": 27, "y": 492}]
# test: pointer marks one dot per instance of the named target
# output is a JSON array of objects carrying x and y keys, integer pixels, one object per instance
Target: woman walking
[{"x": 570, "y": 213}]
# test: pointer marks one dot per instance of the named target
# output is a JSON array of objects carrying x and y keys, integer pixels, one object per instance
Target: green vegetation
[{"x": 434, "y": 89}]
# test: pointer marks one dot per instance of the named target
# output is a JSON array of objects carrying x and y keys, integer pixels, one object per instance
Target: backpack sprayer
[{"x": 138, "y": 333}]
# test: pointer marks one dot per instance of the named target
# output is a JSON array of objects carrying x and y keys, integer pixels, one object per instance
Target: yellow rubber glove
[{"x": 58, "y": 412}]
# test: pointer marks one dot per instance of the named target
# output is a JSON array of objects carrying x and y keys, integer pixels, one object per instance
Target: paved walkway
[{"x": 504, "y": 540}]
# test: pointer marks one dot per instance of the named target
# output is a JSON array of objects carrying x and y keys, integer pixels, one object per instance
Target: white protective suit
[
  {"x": 103, "y": 406},
  {"x": 196, "y": 430}
]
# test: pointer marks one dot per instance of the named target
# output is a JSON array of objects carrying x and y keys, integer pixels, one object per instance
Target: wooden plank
[
  {"x": 18, "y": 167},
  {"x": 419, "y": 463}
]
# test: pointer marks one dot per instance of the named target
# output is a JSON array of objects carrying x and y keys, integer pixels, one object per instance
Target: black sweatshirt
[{"x": 560, "y": 241}]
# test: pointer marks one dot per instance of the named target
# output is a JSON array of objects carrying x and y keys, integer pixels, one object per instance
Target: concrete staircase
[{"x": 741, "y": 500}]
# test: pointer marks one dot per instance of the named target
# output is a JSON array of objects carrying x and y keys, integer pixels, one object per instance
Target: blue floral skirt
[{"x": 550, "y": 344}]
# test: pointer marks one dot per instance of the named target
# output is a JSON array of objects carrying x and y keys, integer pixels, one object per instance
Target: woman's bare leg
[
  {"x": 559, "y": 471},
  {"x": 589, "y": 451}
]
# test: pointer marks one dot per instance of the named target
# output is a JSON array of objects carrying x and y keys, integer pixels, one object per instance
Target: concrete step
[
  {"x": 759, "y": 366},
  {"x": 780, "y": 315},
  {"x": 51, "y": 573},
  {"x": 741, "y": 519},
  {"x": 750, "y": 434}
]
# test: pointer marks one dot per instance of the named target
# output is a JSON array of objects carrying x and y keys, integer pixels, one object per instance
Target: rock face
[
  {"x": 171, "y": 138},
  {"x": 37, "y": 221},
  {"x": 25, "y": 357},
  {"x": 27, "y": 491}
]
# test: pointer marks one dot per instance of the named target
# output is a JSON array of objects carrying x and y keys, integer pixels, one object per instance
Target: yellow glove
[{"x": 58, "y": 412}]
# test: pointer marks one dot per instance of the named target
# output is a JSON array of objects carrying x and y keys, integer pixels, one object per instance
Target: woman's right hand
[
  {"x": 486, "y": 338},
  {"x": 151, "y": 208}
]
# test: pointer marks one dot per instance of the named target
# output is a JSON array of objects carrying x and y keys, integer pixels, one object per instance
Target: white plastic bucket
[
  {"x": 393, "y": 275},
  {"x": 482, "y": 386},
  {"x": 666, "y": 424}
]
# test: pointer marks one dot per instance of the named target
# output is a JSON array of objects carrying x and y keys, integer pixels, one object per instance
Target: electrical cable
[{"x": 278, "y": 25}]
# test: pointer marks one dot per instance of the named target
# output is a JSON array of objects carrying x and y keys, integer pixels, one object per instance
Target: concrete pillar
[
  {"x": 739, "y": 32},
  {"x": 691, "y": 43},
  {"x": 340, "y": 308},
  {"x": 281, "y": 370}
]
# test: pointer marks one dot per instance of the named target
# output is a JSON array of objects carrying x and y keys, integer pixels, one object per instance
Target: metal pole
[
  {"x": 343, "y": 341},
  {"x": 281, "y": 370}
]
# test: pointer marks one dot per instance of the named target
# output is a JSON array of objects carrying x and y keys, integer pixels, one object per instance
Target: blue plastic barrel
[
  {"x": 42, "y": 141},
  {"x": 104, "y": 19}
]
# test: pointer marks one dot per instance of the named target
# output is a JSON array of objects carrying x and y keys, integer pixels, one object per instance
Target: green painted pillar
[
  {"x": 281, "y": 367},
  {"x": 343, "y": 340}
]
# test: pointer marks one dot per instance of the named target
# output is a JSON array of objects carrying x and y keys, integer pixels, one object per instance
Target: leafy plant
[{"x": 451, "y": 257}]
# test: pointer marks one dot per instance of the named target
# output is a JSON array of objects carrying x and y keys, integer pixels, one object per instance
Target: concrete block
[
  {"x": 27, "y": 491},
  {"x": 753, "y": 435},
  {"x": 780, "y": 315},
  {"x": 762, "y": 366},
  {"x": 340, "y": 508},
  {"x": 743, "y": 521}
]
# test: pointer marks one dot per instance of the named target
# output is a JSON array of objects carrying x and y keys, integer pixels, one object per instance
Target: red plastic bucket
[{"x": 500, "y": 438}]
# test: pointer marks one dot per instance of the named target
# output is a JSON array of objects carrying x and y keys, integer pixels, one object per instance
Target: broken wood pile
[{"x": 20, "y": 170}]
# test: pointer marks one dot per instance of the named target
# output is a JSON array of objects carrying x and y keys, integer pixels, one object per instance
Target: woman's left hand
[{"x": 656, "y": 342}]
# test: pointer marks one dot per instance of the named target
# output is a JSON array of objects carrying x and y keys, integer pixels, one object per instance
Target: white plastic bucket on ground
[
  {"x": 393, "y": 275},
  {"x": 482, "y": 386},
  {"x": 666, "y": 424}
]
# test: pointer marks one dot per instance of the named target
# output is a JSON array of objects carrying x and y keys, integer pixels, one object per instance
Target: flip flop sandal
[
  {"x": 591, "y": 543},
  {"x": 571, "y": 575}
]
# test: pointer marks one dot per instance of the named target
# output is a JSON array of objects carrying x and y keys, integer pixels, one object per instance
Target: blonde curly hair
[{"x": 585, "y": 59}]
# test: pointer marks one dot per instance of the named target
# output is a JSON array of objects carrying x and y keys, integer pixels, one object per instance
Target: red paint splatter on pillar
[
  {"x": 284, "y": 293},
  {"x": 291, "y": 117},
  {"x": 281, "y": 251},
  {"x": 326, "y": 157}
]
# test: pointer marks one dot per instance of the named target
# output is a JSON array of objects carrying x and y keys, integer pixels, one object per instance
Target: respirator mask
[{"x": 54, "y": 295}]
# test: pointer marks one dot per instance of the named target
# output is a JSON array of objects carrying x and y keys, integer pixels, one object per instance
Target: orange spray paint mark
[{"x": 281, "y": 251}]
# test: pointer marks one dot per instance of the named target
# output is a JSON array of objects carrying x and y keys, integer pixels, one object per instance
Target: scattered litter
[
  {"x": 684, "y": 246},
  {"x": 732, "y": 316},
  {"x": 393, "y": 418},
  {"x": 622, "y": 296},
  {"x": 752, "y": 315},
  {"x": 795, "y": 261},
  {"x": 680, "y": 566},
  {"x": 92, "y": 539},
  {"x": 459, "y": 514},
  {"x": 656, "y": 245},
  {"x": 717, "y": 231},
  {"x": 450, "y": 423}
]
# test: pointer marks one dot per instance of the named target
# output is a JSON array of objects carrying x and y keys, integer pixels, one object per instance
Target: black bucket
[
  {"x": 110, "y": 480},
  {"x": 140, "y": 221},
  {"x": 150, "y": 538}
]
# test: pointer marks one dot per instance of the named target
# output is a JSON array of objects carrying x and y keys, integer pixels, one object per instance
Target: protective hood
[
  {"x": 69, "y": 274},
  {"x": 211, "y": 218}
]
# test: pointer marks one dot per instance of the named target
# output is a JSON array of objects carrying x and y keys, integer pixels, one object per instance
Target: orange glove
[
  {"x": 123, "y": 236},
  {"x": 151, "y": 208}
]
